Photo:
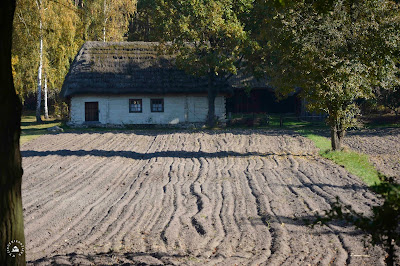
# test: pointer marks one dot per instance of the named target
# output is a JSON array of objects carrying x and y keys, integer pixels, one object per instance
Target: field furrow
[{"x": 195, "y": 198}]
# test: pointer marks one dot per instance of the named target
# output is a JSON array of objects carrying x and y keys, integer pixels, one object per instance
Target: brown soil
[
  {"x": 200, "y": 198},
  {"x": 383, "y": 147}
]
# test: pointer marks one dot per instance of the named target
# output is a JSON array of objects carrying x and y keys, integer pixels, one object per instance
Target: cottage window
[
  {"x": 135, "y": 105},
  {"x": 157, "y": 105}
]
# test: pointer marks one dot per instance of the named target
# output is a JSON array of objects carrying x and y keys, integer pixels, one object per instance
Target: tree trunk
[
  {"x": 46, "y": 109},
  {"x": 105, "y": 21},
  {"x": 336, "y": 138},
  {"x": 39, "y": 88},
  {"x": 391, "y": 254},
  {"x": 11, "y": 216},
  {"x": 211, "y": 95}
]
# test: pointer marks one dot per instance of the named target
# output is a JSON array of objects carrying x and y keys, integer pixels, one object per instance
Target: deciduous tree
[
  {"x": 25, "y": 47},
  {"x": 41, "y": 44},
  {"x": 207, "y": 38},
  {"x": 142, "y": 25},
  {"x": 107, "y": 20},
  {"x": 11, "y": 216},
  {"x": 336, "y": 54}
]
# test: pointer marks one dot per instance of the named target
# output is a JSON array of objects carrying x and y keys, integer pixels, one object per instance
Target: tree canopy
[
  {"x": 107, "y": 20},
  {"x": 207, "y": 37},
  {"x": 337, "y": 52},
  {"x": 63, "y": 26},
  {"x": 336, "y": 55}
]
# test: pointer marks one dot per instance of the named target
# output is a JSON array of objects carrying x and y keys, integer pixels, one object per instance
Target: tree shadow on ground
[
  {"x": 148, "y": 156},
  {"x": 170, "y": 131},
  {"x": 162, "y": 258},
  {"x": 362, "y": 132},
  {"x": 109, "y": 258},
  {"x": 352, "y": 187}
]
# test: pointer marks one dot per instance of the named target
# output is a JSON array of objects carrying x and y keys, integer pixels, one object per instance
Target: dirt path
[
  {"x": 383, "y": 147},
  {"x": 178, "y": 198}
]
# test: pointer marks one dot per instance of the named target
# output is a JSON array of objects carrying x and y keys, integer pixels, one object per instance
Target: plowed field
[{"x": 200, "y": 198}]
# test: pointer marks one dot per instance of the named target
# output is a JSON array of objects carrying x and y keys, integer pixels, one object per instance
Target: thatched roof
[{"x": 132, "y": 67}]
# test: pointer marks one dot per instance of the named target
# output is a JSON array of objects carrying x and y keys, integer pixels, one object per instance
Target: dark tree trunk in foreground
[{"x": 11, "y": 218}]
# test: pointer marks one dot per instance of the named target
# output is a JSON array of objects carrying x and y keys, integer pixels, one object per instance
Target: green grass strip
[{"x": 354, "y": 162}]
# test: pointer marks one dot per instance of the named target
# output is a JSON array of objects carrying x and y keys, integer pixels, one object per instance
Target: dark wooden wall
[{"x": 261, "y": 101}]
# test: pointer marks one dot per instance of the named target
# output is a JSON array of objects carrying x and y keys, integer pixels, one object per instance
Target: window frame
[
  {"x": 162, "y": 105},
  {"x": 141, "y": 105}
]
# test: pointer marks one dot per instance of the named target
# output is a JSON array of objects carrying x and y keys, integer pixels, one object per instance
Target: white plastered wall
[{"x": 177, "y": 109}]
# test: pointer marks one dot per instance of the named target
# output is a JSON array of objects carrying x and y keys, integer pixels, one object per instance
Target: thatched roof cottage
[{"x": 131, "y": 83}]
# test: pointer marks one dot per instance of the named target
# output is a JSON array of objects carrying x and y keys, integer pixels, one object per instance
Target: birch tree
[
  {"x": 39, "y": 78},
  {"x": 62, "y": 41},
  {"x": 25, "y": 54},
  {"x": 108, "y": 20},
  {"x": 40, "y": 43},
  {"x": 46, "y": 107}
]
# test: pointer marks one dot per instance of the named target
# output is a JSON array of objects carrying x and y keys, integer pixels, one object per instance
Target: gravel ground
[
  {"x": 383, "y": 147},
  {"x": 202, "y": 198}
]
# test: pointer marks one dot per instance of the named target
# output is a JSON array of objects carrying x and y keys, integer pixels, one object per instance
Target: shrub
[
  {"x": 383, "y": 226},
  {"x": 61, "y": 111}
]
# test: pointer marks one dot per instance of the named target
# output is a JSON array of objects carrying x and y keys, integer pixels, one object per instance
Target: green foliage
[
  {"x": 390, "y": 99},
  {"x": 61, "y": 41},
  {"x": 66, "y": 25},
  {"x": 207, "y": 38},
  {"x": 142, "y": 27},
  {"x": 61, "y": 111},
  {"x": 25, "y": 47},
  {"x": 107, "y": 20},
  {"x": 337, "y": 55}
]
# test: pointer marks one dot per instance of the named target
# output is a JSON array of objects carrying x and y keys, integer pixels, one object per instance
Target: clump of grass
[{"x": 354, "y": 162}]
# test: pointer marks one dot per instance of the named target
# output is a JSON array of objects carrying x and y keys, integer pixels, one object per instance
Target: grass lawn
[
  {"x": 31, "y": 130},
  {"x": 356, "y": 163},
  {"x": 289, "y": 121}
]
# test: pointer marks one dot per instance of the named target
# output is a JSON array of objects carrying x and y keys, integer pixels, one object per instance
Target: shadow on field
[
  {"x": 353, "y": 187},
  {"x": 170, "y": 131},
  {"x": 110, "y": 258},
  {"x": 147, "y": 156}
]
